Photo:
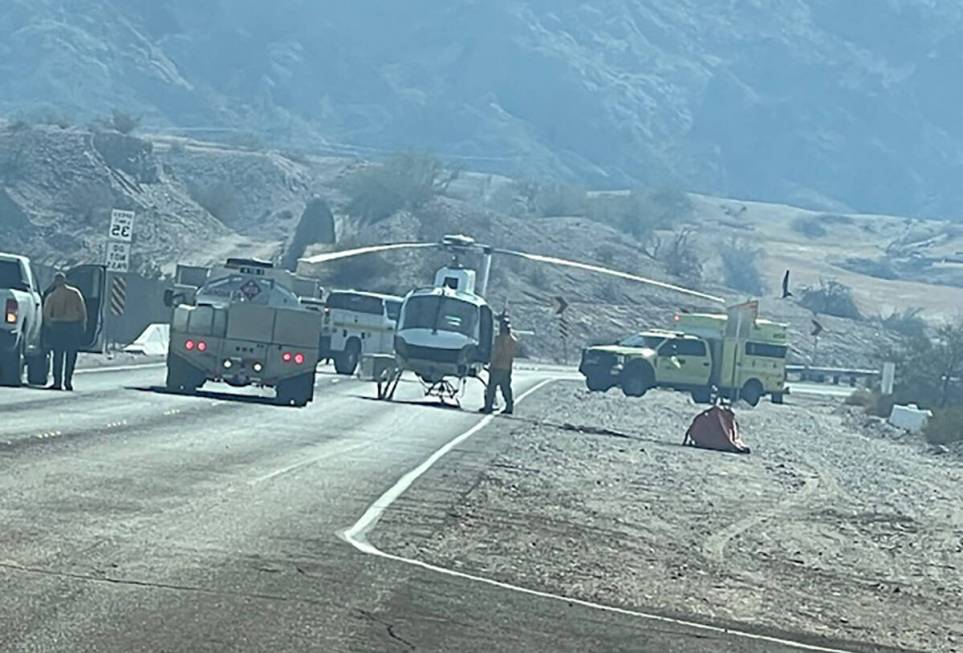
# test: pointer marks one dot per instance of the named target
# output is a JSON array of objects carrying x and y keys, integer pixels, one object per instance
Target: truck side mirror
[{"x": 169, "y": 298}]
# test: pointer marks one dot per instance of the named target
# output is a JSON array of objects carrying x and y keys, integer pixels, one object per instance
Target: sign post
[
  {"x": 120, "y": 236},
  {"x": 560, "y": 306},
  {"x": 740, "y": 321}
]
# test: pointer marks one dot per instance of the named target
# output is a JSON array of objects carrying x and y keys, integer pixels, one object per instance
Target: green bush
[{"x": 945, "y": 427}]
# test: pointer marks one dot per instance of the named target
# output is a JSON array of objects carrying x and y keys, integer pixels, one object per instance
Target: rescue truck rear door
[{"x": 91, "y": 280}]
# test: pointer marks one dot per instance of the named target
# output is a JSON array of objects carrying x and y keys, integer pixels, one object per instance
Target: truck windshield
[
  {"x": 11, "y": 276},
  {"x": 355, "y": 302},
  {"x": 639, "y": 340},
  {"x": 441, "y": 313}
]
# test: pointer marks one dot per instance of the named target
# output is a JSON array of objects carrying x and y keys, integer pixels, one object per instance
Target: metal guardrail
[{"x": 833, "y": 374}]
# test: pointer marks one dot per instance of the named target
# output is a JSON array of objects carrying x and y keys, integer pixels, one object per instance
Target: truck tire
[
  {"x": 636, "y": 379},
  {"x": 297, "y": 391},
  {"x": 183, "y": 377},
  {"x": 346, "y": 362},
  {"x": 598, "y": 383},
  {"x": 752, "y": 392},
  {"x": 38, "y": 369},
  {"x": 11, "y": 368}
]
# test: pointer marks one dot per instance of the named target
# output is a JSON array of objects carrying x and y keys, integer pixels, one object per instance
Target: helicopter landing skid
[
  {"x": 387, "y": 384},
  {"x": 447, "y": 392}
]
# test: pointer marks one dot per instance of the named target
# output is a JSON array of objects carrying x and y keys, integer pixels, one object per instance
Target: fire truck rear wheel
[
  {"x": 297, "y": 391},
  {"x": 183, "y": 377}
]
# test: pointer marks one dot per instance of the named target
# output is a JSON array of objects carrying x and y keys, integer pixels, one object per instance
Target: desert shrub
[
  {"x": 315, "y": 226},
  {"x": 878, "y": 268},
  {"x": 555, "y": 200},
  {"x": 681, "y": 258},
  {"x": 831, "y": 298},
  {"x": 605, "y": 255},
  {"x": 124, "y": 122},
  {"x": 218, "y": 199},
  {"x": 609, "y": 292},
  {"x": 861, "y": 397},
  {"x": 244, "y": 139},
  {"x": 945, "y": 426},
  {"x": 404, "y": 182},
  {"x": 370, "y": 272},
  {"x": 641, "y": 212},
  {"x": 873, "y": 403},
  {"x": 810, "y": 227},
  {"x": 908, "y": 322},
  {"x": 740, "y": 269},
  {"x": 538, "y": 277},
  {"x": 928, "y": 369}
]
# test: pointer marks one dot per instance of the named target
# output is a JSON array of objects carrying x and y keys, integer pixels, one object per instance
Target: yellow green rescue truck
[{"x": 698, "y": 355}]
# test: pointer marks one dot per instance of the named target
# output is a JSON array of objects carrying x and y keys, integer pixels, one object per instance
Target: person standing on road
[
  {"x": 65, "y": 317},
  {"x": 500, "y": 370}
]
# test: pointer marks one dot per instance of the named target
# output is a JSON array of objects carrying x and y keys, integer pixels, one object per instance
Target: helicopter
[{"x": 445, "y": 332}]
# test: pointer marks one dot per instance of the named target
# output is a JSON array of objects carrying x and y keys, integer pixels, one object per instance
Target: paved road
[{"x": 133, "y": 520}]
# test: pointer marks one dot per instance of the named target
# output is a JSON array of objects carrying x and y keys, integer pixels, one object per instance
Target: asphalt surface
[{"x": 135, "y": 520}]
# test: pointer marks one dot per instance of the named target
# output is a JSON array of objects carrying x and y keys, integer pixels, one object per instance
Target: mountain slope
[{"x": 814, "y": 102}]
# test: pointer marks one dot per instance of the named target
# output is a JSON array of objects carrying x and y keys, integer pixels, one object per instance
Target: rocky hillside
[{"x": 812, "y": 102}]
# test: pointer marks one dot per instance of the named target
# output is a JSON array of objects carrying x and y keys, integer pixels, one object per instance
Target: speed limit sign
[{"x": 121, "y": 226}]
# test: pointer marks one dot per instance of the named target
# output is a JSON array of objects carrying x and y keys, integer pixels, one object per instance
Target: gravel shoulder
[{"x": 821, "y": 531}]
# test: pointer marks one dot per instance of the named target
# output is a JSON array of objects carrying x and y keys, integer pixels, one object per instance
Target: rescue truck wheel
[
  {"x": 598, "y": 383},
  {"x": 346, "y": 362},
  {"x": 297, "y": 391},
  {"x": 752, "y": 392},
  {"x": 38, "y": 369},
  {"x": 11, "y": 368},
  {"x": 636, "y": 379},
  {"x": 182, "y": 377}
]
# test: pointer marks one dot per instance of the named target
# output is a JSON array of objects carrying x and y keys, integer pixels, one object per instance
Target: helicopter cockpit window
[{"x": 441, "y": 313}]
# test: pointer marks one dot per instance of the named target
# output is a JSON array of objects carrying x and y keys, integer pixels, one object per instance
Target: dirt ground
[{"x": 822, "y": 530}]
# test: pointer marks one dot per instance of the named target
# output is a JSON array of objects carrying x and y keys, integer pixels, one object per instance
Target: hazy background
[{"x": 826, "y": 104}]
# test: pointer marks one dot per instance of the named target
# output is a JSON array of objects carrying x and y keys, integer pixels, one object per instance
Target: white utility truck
[
  {"x": 357, "y": 324},
  {"x": 244, "y": 325}
]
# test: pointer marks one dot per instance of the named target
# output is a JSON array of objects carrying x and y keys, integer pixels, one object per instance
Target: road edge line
[{"x": 356, "y": 536}]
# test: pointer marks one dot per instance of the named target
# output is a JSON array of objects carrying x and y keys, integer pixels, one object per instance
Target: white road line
[
  {"x": 310, "y": 461},
  {"x": 356, "y": 536},
  {"x": 120, "y": 368}
]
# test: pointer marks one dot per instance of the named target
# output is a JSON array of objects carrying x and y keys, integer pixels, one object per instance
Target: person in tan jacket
[
  {"x": 500, "y": 370},
  {"x": 65, "y": 319}
]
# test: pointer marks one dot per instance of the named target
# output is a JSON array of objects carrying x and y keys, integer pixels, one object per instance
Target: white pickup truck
[{"x": 21, "y": 326}]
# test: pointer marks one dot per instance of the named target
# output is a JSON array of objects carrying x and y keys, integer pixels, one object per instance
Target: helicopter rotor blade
[
  {"x": 361, "y": 251},
  {"x": 588, "y": 267}
]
